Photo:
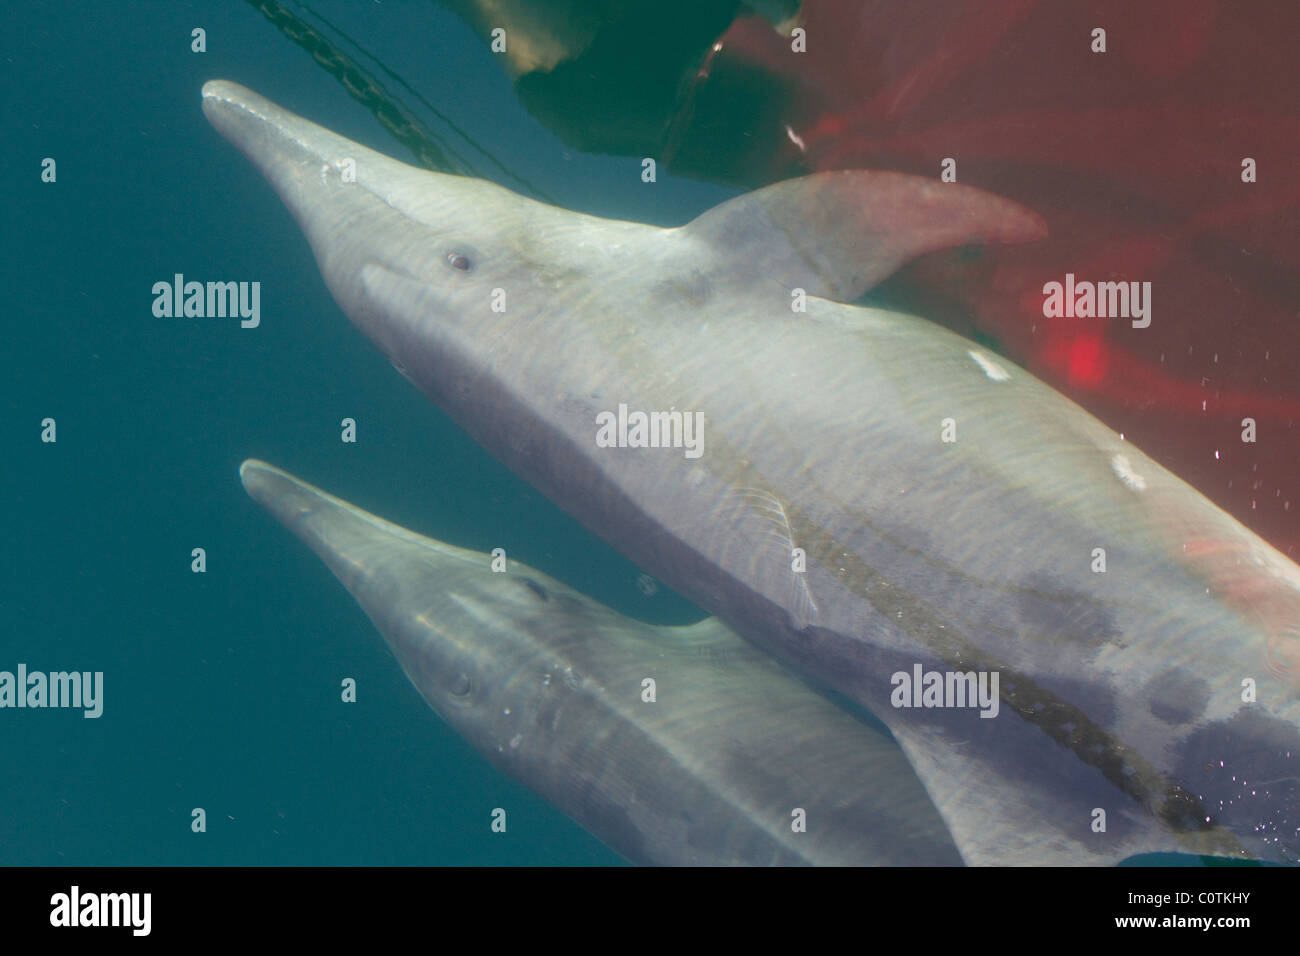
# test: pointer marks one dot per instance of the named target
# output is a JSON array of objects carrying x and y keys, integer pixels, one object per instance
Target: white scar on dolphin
[
  {"x": 1152, "y": 706},
  {"x": 734, "y": 762}
]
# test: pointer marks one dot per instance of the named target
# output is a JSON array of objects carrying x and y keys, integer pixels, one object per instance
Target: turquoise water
[{"x": 221, "y": 689}]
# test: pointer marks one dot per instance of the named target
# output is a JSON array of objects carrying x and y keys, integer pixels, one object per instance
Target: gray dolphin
[
  {"x": 875, "y": 500},
  {"x": 735, "y": 761}
]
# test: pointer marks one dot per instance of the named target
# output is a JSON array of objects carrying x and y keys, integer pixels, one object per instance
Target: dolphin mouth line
[{"x": 210, "y": 92}]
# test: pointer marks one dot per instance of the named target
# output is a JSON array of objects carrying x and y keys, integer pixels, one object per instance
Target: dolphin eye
[
  {"x": 460, "y": 685},
  {"x": 536, "y": 588},
  {"x": 459, "y": 261}
]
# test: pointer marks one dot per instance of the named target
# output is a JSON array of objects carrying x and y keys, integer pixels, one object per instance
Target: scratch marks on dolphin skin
[
  {"x": 1063, "y": 722},
  {"x": 759, "y": 513},
  {"x": 1284, "y": 652},
  {"x": 1124, "y": 471},
  {"x": 991, "y": 368},
  {"x": 693, "y": 289}
]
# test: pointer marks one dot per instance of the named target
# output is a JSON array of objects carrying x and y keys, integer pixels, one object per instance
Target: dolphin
[
  {"x": 734, "y": 761},
  {"x": 887, "y": 507}
]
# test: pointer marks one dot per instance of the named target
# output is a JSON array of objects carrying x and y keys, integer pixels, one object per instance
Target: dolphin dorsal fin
[{"x": 838, "y": 234}]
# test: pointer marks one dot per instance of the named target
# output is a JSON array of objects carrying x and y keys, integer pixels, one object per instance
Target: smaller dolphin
[{"x": 734, "y": 761}]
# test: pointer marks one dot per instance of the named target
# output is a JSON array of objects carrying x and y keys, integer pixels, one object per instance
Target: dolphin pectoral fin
[
  {"x": 838, "y": 234},
  {"x": 761, "y": 526}
]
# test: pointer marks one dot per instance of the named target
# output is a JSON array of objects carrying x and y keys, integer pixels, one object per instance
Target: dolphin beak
[
  {"x": 296, "y": 156},
  {"x": 340, "y": 534},
  {"x": 357, "y": 207},
  {"x": 357, "y": 546},
  {"x": 275, "y": 140}
]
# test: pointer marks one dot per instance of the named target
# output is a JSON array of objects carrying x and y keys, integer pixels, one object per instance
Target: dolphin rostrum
[
  {"x": 730, "y": 760},
  {"x": 879, "y": 502}
]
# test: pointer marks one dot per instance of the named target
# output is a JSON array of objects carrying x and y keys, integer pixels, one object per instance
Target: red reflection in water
[{"x": 1135, "y": 159}]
